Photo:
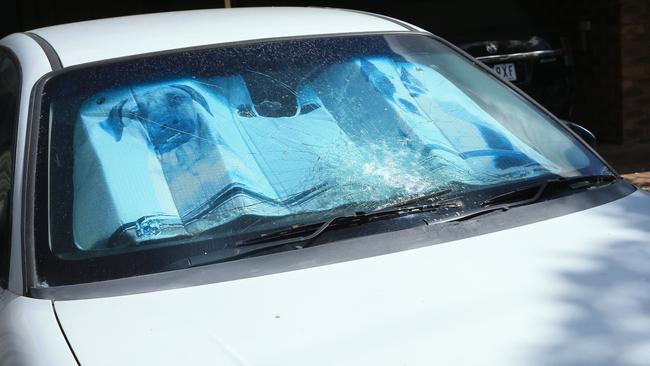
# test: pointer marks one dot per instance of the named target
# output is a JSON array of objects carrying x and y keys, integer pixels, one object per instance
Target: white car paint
[
  {"x": 566, "y": 291},
  {"x": 117, "y": 37},
  {"x": 30, "y": 333},
  {"x": 572, "y": 290},
  {"x": 34, "y": 65}
]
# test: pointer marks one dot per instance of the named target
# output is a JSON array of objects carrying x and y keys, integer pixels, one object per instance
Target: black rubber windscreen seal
[{"x": 52, "y": 56}]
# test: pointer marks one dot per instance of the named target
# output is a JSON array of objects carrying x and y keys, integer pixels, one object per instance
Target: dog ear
[
  {"x": 113, "y": 124},
  {"x": 196, "y": 96}
]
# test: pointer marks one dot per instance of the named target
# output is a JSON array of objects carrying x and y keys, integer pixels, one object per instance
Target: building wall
[
  {"x": 593, "y": 29},
  {"x": 635, "y": 58},
  {"x": 612, "y": 54}
]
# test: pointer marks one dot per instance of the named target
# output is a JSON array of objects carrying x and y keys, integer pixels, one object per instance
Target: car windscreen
[{"x": 155, "y": 158}]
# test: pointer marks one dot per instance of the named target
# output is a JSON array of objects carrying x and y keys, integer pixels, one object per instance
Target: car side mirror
[{"x": 584, "y": 133}]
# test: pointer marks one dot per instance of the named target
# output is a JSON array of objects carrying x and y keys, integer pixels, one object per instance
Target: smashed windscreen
[{"x": 176, "y": 145}]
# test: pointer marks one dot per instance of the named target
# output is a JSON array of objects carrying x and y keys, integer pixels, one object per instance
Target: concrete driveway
[{"x": 630, "y": 160}]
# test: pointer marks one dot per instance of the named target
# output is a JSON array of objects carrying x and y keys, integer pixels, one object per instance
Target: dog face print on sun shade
[{"x": 168, "y": 113}]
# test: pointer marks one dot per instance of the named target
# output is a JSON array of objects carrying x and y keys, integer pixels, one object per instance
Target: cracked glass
[{"x": 224, "y": 141}]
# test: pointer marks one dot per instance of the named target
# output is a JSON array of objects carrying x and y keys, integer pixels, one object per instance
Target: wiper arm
[
  {"x": 531, "y": 194},
  {"x": 300, "y": 234},
  {"x": 294, "y": 233}
]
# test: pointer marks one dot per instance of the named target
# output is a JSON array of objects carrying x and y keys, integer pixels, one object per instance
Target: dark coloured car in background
[
  {"x": 541, "y": 65},
  {"x": 520, "y": 40}
]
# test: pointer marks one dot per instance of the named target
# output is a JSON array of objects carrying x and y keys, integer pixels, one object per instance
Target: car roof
[{"x": 102, "y": 39}]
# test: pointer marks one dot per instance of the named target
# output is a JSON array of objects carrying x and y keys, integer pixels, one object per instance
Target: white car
[{"x": 292, "y": 186}]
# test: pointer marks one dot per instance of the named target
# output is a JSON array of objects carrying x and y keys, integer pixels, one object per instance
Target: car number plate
[{"x": 506, "y": 71}]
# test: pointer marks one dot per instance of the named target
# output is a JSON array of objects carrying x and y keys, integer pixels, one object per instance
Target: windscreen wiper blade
[
  {"x": 533, "y": 193},
  {"x": 294, "y": 233},
  {"x": 417, "y": 201},
  {"x": 300, "y": 234}
]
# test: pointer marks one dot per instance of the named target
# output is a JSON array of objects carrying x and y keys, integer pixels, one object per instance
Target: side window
[{"x": 9, "y": 93}]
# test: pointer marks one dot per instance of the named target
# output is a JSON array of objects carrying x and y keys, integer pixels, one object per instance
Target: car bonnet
[{"x": 570, "y": 290}]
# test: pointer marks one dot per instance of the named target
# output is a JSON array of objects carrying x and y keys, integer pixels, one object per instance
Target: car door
[{"x": 9, "y": 94}]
